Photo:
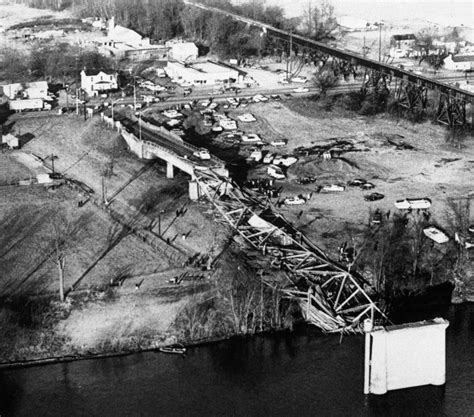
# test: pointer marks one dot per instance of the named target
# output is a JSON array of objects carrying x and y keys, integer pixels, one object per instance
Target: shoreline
[{"x": 196, "y": 343}]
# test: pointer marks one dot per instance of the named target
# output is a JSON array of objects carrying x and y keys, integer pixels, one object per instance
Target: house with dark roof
[
  {"x": 94, "y": 82},
  {"x": 402, "y": 45},
  {"x": 459, "y": 62}
]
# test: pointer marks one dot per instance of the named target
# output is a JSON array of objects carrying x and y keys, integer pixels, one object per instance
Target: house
[
  {"x": 207, "y": 73},
  {"x": 402, "y": 45},
  {"x": 95, "y": 81},
  {"x": 404, "y": 41},
  {"x": 182, "y": 51},
  {"x": 35, "y": 89},
  {"x": 459, "y": 62}
]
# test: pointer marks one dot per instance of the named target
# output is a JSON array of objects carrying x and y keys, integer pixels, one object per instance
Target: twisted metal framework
[
  {"x": 451, "y": 110},
  {"x": 330, "y": 295}
]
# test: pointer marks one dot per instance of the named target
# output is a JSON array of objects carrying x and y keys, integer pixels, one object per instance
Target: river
[{"x": 302, "y": 373}]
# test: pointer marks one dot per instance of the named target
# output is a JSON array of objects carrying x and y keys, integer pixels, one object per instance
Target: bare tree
[
  {"x": 324, "y": 79},
  {"x": 319, "y": 22},
  {"x": 64, "y": 234}
]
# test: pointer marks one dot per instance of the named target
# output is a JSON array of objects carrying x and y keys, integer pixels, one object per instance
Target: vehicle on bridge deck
[{"x": 202, "y": 153}]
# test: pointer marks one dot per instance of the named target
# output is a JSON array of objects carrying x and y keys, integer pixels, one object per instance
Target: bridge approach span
[{"x": 411, "y": 90}]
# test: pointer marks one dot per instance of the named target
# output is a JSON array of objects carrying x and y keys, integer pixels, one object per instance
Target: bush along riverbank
[{"x": 109, "y": 321}]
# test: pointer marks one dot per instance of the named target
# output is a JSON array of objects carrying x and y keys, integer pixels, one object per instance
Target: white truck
[{"x": 29, "y": 104}]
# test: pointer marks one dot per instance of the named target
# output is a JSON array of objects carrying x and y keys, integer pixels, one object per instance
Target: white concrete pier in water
[{"x": 403, "y": 356}]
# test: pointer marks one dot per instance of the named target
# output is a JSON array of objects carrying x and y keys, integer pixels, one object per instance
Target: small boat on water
[{"x": 175, "y": 348}]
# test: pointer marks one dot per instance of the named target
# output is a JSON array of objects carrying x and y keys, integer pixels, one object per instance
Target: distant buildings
[
  {"x": 122, "y": 42},
  {"x": 354, "y": 24},
  {"x": 204, "y": 73},
  {"x": 186, "y": 52},
  {"x": 97, "y": 81},
  {"x": 402, "y": 45},
  {"x": 459, "y": 62},
  {"x": 31, "y": 90}
]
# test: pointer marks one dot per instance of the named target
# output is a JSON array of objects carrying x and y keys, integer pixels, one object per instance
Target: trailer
[{"x": 29, "y": 104}]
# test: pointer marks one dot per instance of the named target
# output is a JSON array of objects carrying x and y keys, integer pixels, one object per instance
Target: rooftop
[{"x": 463, "y": 58}]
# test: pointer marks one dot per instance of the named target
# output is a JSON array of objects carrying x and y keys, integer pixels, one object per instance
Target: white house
[
  {"x": 95, "y": 81},
  {"x": 202, "y": 74},
  {"x": 182, "y": 51},
  {"x": 36, "y": 89},
  {"x": 459, "y": 62}
]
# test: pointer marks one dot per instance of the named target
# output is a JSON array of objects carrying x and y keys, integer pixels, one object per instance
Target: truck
[{"x": 29, "y": 104}]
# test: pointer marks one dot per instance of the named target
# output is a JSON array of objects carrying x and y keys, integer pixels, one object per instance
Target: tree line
[{"x": 161, "y": 20}]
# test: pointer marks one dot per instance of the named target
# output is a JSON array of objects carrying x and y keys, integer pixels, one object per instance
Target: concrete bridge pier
[{"x": 169, "y": 170}]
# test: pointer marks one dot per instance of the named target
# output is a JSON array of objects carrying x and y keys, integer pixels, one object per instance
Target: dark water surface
[{"x": 294, "y": 374}]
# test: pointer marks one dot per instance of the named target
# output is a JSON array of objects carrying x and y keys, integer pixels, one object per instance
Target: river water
[{"x": 302, "y": 373}]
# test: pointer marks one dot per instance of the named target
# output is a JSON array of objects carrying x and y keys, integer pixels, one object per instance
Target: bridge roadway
[
  {"x": 178, "y": 147},
  {"x": 354, "y": 58}
]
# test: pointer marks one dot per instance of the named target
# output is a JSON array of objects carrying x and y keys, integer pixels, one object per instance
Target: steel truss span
[
  {"x": 330, "y": 296},
  {"x": 413, "y": 87}
]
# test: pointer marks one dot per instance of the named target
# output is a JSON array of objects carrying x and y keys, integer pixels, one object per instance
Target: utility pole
[
  {"x": 140, "y": 126},
  {"x": 380, "y": 41},
  {"x": 134, "y": 95},
  {"x": 288, "y": 61}
]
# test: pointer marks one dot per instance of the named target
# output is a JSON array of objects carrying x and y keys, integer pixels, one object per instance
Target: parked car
[
  {"x": 413, "y": 203},
  {"x": 279, "y": 142},
  {"x": 332, "y": 188},
  {"x": 299, "y": 79},
  {"x": 172, "y": 113},
  {"x": 268, "y": 158},
  {"x": 294, "y": 201},
  {"x": 435, "y": 234},
  {"x": 251, "y": 137},
  {"x": 373, "y": 197},
  {"x": 367, "y": 186},
  {"x": 276, "y": 172},
  {"x": 277, "y": 160},
  {"x": 256, "y": 155},
  {"x": 202, "y": 153},
  {"x": 288, "y": 160},
  {"x": 357, "y": 182},
  {"x": 247, "y": 117},
  {"x": 259, "y": 98}
]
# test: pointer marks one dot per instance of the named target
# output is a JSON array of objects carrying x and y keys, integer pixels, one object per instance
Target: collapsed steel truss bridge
[{"x": 329, "y": 294}]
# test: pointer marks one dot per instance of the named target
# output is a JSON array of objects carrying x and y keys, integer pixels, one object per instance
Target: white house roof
[{"x": 123, "y": 34}]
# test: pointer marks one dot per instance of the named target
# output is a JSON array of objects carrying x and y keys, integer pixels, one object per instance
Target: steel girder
[
  {"x": 451, "y": 111},
  {"x": 331, "y": 296},
  {"x": 411, "y": 96}
]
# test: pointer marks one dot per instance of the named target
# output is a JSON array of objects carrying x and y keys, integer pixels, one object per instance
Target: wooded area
[{"x": 161, "y": 20}]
